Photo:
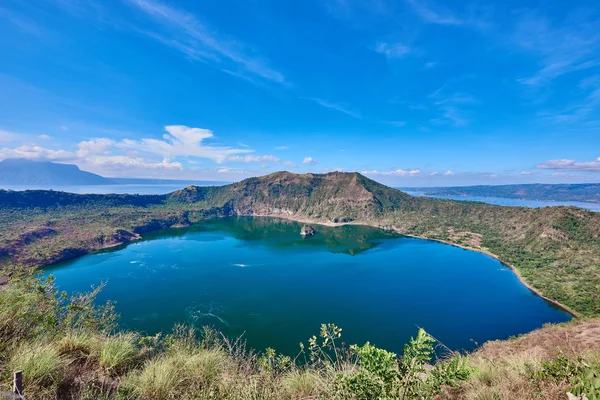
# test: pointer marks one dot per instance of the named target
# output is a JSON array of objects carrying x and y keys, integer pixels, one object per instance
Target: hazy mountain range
[
  {"x": 21, "y": 172},
  {"x": 587, "y": 192}
]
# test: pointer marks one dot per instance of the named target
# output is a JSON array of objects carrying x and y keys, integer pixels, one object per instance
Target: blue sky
[{"x": 408, "y": 92}]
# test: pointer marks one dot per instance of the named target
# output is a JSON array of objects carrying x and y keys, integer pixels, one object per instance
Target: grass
[
  {"x": 301, "y": 384},
  {"x": 78, "y": 341},
  {"x": 41, "y": 364},
  {"x": 156, "y": 380},
  {"x": 119, "y": 351}
]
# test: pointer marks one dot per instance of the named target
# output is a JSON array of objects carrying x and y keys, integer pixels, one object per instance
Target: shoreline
[{"x": 514, "y": 269}]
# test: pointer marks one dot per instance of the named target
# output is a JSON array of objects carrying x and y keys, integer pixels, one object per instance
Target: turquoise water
[{"x": 258, "y": 277}]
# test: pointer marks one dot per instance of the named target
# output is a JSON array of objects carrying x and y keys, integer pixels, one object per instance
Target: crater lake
[{"x": 258, "y": 277}]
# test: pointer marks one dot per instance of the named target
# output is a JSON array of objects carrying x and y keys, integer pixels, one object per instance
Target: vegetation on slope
[
  {"x": 555, "y": 249},
  {"x": 67, "y": 349}
]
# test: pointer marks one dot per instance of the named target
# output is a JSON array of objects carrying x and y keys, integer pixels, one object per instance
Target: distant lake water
[
  {"x": 500, "y": 201},
  {"x": 122, "y": 189},
  {"x": 258, "y": 277}
]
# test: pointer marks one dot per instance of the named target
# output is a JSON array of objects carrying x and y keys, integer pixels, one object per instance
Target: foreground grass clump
[
  {"x": 41, "y": 363},
  {"x": 119, "y": 351},
  {"x": 72, "y": 351}
]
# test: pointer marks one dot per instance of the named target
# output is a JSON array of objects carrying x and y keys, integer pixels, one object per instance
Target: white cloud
[
  {"x": 182, "y": 141},
  {"x": 526, "y": 173},
  {"x": 573, "y": 165},
  {"x": 448, "y": 173},
  {"x": 309, "y": 161},
  {"x": 397, "y": 172},
  {"x": 64, "y": 127},
  {"x": 392, "y": 50},
  {"x": 94, "y": 146},
  {"x": 34, "y": 152},
  {"x": 146, "y": 157},
  {"x": 337, "y": 107},
  {"x": 44, "y": 137},
  {"x": 253, "y": 158},
  {"x": 266, "y": 159},
  {"x": 282, "y": 147}
]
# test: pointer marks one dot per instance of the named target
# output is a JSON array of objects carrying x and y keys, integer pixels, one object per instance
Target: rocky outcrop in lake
[{"x": 307, "y": 230}]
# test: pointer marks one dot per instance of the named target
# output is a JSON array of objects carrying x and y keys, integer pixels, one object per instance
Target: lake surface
[
  {"x": 260, "y": 278},
  {"x": 501, "y": 201},
  {"x": 120, "y": 189}
]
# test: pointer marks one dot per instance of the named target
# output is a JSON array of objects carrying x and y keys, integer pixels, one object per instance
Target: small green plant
[
  {"x": 587, "y": 383},
  {"x": 271, "y": 361}
]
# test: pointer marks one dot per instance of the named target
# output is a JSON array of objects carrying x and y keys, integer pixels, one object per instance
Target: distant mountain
[
  {"x": 44, "y": 173},
  {"x": 587, "y": 192}
]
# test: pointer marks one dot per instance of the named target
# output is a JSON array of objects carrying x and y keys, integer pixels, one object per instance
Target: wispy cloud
[
  {"x": 392, "y": 50},
  {"x": 398, "y": 124},
  {"x": 7, "y": 136},
  {"x": 573, "y": 165},
  {"x": 561, "y": 47},
  {"x": 435, "y": 16},
  {"x": 184, "y": 32},
  {"x": 397, "y": 172},
  {"x": 343, "y": 108},
  {"x": 266, "y": 159},
  {"x": 451, "y": 106}
]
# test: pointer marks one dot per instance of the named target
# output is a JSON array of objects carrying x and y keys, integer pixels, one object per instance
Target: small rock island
[{"x": 307, "y": 230}]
